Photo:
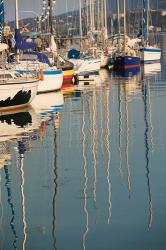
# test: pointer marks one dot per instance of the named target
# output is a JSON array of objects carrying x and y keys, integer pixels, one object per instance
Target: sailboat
[
  {"x": 126, "y": 58},
  {"x": 89, "y": 60},
  {"x": 149, "y": 54},
  {"x": 50, "y": 77}
]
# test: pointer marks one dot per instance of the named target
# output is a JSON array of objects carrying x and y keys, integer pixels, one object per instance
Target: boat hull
[
  {"x": 89, "y": 65},
  {"x": 126, "y": 62},
  {"x": 68, "y": 75},
  {"x": 150, "y": 55},
  {"x": 51, "y": 80},
  {"x": 14, "y": 95}
]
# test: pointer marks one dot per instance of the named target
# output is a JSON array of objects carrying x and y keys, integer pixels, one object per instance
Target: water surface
[{"x": 90, "y": 175}]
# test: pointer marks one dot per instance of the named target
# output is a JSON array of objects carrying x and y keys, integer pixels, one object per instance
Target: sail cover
[
  {"x": 20, "y": 43},
  {"x": 1, "y": 18}
]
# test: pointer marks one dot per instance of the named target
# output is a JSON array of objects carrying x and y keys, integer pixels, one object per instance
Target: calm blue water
[{"x": 90, "y": 175}]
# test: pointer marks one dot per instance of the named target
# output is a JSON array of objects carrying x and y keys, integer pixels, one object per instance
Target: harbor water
[{"x": 87, "y": 171}]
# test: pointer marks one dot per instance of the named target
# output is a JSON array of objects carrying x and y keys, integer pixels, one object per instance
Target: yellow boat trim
[{"x": 69, "y": 72}]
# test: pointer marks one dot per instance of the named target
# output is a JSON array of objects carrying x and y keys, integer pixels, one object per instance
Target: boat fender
[{"x": 41, "y": 74}]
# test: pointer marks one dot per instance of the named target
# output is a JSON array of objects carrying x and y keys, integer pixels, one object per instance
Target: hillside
[{"x": 132, "y": 4}]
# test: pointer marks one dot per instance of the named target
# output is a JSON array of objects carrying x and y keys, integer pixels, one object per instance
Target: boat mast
[
  {"x": 87, "y": 15},
  {"x": 105, "y": 19},
  {"x": 147, "y": 24},
  {"x": 16, "y": 27},
  {"x": 124, "y": 13},
  {"x": 80, "y": 23},
  {"x": 16, "y": 14},
  {"x": 118, "y": 17},
  {"x": 145, "y": 21},
  {"x": 50, "y": 7}
]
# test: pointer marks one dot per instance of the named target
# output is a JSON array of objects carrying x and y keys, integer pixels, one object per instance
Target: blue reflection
[
  {"x": 9, "y": 195},
  {"x": 127, "y": 72}
]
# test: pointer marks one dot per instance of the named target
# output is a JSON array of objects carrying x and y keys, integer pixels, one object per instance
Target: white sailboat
[
  {"x": 15, "y": 91},
  {"x": 51, "y": 78},
  {"x": 149, "y": 54},
  {"x": 87, "y": 61}
]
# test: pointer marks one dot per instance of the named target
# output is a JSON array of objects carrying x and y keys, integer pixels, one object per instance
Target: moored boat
[
  {"x": 51, "y": 78},
  {"x": 127, "y": 56},
  {"x": 149, "y": 54},
  {"x": 16, "y": 91},
  {"x": 126, "y": 62}
]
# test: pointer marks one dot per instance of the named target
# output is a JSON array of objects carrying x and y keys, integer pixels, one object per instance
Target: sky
[{"x": 31, "y": 8}]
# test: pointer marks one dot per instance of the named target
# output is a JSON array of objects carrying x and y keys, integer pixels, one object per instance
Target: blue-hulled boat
[
  {"x": 126, "y": 58},
  {"x": 126, "y": 62}
]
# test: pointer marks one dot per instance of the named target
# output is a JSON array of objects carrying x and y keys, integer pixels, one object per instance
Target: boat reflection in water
[
  {"x": 151, "y": 69},
  {"x": 86, "y": 180},
  {"x": 127, "y": 72},
  {"x": 109, "y": 175},
  {"x": 22, "y": 203},
  {"x": 92, "y": 143},
  {"x": 127, "y": 98},
  {"x": 93, "y": 80}
]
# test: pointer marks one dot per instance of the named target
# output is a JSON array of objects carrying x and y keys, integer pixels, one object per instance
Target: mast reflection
[
  {"x": 86, "y": 214},
  {"x": 11, "y": 205},
  {"x": 20, "y": 161},
  {"x": 17, "y": 132},
  {"x": 147, "y": 149},
  {"x": 107, "y": 147}
]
